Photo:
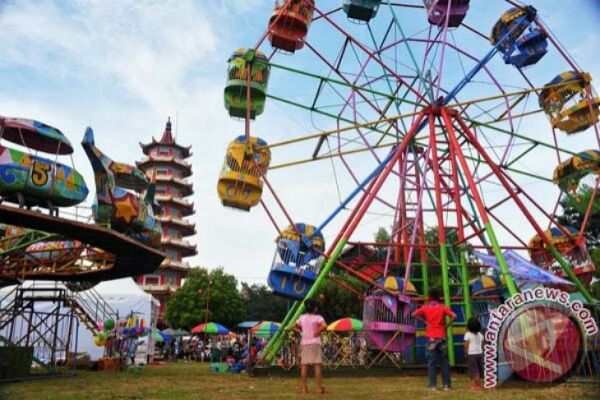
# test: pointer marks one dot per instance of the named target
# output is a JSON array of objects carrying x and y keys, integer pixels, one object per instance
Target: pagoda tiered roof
[
  {"x": 184, "y": 247},
  {"x": 165, "y": 161},
  {"x": 149, "y": 162},
  {"x": 175, "y": 265},
  {"x": 181, "y": 183},
  {"x": 167, "y": 139},
  {"x": 186, "y": 207},
  {"x": 186, "y": 228}
]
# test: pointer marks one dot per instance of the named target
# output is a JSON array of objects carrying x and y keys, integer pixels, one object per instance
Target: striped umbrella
[
  {"x": 346, "y": 325},
  {"x": 396, "y": 284},
  {"x": 265, "y": 329},
  {"x": 212, "y": 328}
]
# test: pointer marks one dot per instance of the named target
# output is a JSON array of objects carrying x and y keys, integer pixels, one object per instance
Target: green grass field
[{"x": 194, "y": 381}]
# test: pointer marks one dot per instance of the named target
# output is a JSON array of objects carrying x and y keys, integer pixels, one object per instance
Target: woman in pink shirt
[{"x": 311, "y": 325}]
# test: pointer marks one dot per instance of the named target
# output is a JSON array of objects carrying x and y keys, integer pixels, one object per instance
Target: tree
[
  {"x": 595, "y": 256},
  {"x": 188, "y": 305},
  {"x": 382, "y": 235},
  {"x": 572, "y": 217},
  {"x": 596, "y": 289},
  {"x": 262, "y": 305},
  {"x": 337, "y": 302}
]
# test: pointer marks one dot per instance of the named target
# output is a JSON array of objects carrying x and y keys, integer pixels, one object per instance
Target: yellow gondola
[
  {"x": 240, "y": 184},
  {"x": 569, "y": 173},
  {"x": 565, "y": 100}
]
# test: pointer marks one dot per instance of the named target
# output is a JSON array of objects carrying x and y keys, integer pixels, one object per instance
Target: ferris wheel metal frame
[{"x": 438, "y": 136}]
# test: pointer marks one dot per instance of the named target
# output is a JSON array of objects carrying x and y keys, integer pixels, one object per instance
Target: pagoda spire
[{"x": 167, "y": 136}]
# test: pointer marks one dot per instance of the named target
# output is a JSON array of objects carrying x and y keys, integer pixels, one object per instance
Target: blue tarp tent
[{"x": 522, "y": 269}]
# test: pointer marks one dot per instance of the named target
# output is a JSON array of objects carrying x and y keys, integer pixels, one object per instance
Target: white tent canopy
[{"x": 123, "y": 296}]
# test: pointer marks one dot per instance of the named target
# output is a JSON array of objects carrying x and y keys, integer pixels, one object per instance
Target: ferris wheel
[{"x": 428, "y": 120}]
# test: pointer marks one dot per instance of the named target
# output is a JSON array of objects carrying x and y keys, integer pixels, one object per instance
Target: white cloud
[{"x": 147, "y": 47}]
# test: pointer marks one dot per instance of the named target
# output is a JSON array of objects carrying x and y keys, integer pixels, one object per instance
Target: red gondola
[{"x": 289, "y": 24}]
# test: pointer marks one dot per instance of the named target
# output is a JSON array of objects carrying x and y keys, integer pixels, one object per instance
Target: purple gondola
[
  {"x": 438, "y": 11},
  {"x": 387, "y": 318}
]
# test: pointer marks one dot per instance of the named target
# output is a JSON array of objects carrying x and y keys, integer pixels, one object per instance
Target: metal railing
[
  {"x": 95, "y": 309},
  {"x": 88, "y": 304}
]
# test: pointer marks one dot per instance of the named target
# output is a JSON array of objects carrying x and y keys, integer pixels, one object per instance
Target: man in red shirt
[{"x": 434, "y": 314}]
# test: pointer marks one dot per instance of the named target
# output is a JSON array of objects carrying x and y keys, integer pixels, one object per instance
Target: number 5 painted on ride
[{"x": 39, "y": 177}]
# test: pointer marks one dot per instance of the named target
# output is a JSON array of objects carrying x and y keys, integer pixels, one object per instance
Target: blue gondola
[
  {"x": 527, "y": 50},
  {"x": 297, "y": 259},
  {"x": 526, "y": 45}
]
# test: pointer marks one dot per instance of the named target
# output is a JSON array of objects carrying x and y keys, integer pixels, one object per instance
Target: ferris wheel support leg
[
  {"x": 464, "y": 272},
  {"x": 476, "y": 220},
  {"x": 439, "y": 208},
  {"x": 424, "y": 270},
  {"x": 447, "y": 299},
  {"x": 421, "y": 234},
  {"x": 462, "y": 249},
  {"x": 357, "y": 190},
  {"x": 453, "y": 142},
  {"x": 275, "y": 343},
  {"x": 369, "y": 180},
  {"x": 504, "y": 181}
]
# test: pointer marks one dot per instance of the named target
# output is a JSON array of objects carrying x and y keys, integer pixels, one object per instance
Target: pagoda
[{"x": 165, "y": 162}]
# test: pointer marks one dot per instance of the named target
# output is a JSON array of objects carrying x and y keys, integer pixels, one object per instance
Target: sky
[{"x": 124, "y": 66}]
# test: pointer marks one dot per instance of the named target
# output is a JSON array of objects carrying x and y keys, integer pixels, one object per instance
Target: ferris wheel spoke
[
  {"x": 313, "y": 108},
  {"x": 444, "y": 45},
  {"x": 347, "y": 81},
  {"x": 268, "y": 212},
  {"x": 391, "y": 144},
  {"x": 418, "y": 69},
  {"x": 391, "y": 97},
  {"x": 369, "y": 53}
]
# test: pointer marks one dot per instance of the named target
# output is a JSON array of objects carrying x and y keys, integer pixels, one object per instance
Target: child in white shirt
[{"x": 473, "y": 343}]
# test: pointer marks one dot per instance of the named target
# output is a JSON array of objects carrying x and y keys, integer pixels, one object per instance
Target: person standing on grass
[
  {"x": 434, "y": 314},
  {"x": 473, "y": 342},
  {"x": 311, "y": 325}
]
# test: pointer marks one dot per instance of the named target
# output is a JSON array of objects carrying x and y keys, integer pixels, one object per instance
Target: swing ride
[
  {"x": 436, "y": 130},
  {"x": 39, "y": 246}
]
